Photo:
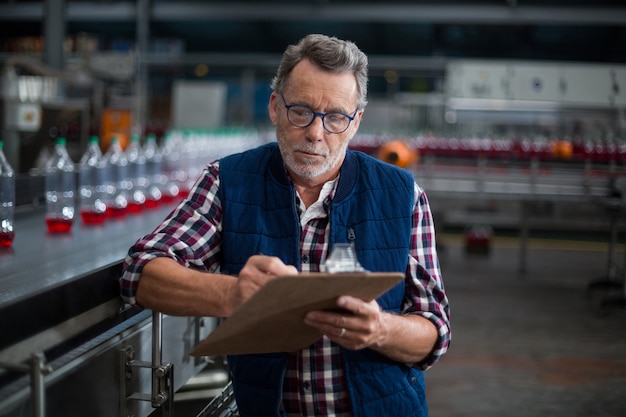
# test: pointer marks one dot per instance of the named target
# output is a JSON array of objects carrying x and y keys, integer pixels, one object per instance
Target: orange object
[
  {"x": 115, "y": 122},
  {"x": 397, "y": 152},
  {"x": 561, "y": 149},
  {"x": 566, "y": 149}
]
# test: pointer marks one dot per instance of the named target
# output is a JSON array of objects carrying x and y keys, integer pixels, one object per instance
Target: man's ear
[
  {"x": 357, "y": 120},
  {"x": 271, "y": 108}
]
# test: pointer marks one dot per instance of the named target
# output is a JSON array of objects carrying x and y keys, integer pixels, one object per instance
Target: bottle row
[
  {"x": 98, "y": 187},
  {"x": 105, "y": 185},
  {"x": 602, "y": 151},
  {"x": 7, "y": 200},
  {"x": 125, "y": 179}
]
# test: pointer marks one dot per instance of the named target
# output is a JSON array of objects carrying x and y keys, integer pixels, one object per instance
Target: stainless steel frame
[{"x": 72, "y": 347}]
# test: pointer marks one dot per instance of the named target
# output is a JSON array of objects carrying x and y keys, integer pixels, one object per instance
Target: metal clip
[{"x": 162, "y": 394}]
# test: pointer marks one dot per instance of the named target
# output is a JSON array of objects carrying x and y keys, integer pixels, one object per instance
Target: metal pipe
[
  {"x": 38, "y": 388},
  {"x": 614, "y": 212},
  {"x": 142, "y": 39},
  {"x": 157, "y": 355},
  {"x": 54, "y": 32},
  {"x": 524, "y": 234},
  {"x": 14, "y": 367}
]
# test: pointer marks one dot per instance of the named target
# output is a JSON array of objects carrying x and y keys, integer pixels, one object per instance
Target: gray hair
[{"x": 328, "y": 53}]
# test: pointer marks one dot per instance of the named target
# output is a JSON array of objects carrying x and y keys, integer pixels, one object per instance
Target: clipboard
[{"x": 272, "y": 320}]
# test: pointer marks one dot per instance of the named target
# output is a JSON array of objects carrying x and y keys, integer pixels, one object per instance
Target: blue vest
[{"x": 371, "y": 208}]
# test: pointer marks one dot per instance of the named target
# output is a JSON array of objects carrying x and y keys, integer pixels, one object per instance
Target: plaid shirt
[{"x": 314, "y": 383}]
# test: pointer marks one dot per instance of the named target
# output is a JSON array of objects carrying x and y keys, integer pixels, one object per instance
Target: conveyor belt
[
  {"x": 515, "y": 182},
  {"x": 48, "y": 279},
  {"x": 59, "y": 301},
  {"x": 12, "y": 386}
]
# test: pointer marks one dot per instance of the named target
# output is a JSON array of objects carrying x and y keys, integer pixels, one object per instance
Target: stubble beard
[{"x": 308, "y": 168}]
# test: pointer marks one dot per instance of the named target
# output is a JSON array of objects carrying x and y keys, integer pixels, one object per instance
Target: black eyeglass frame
[{"x": 317, "y": 114}]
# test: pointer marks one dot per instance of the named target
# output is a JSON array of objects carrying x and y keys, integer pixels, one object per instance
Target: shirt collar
[{"x": 318, "y": 209}]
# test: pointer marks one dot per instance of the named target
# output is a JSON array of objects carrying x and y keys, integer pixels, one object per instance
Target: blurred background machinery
[{"x": 511, "y": 114}]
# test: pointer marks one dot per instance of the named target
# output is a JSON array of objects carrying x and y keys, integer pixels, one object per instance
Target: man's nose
[{"x": 316, "y": 128}]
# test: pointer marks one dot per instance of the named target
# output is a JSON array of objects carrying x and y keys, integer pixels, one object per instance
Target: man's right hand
[{"x": 257, "y": 271}]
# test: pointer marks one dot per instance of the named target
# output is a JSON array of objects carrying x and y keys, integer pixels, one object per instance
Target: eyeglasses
[{"x": 303, "y": 116}]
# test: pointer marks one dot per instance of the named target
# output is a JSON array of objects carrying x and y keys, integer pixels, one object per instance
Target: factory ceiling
[{"x": 418, "y": 33}]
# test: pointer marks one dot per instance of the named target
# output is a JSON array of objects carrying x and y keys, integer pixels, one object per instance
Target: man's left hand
[{"x": 357, "y": 324}]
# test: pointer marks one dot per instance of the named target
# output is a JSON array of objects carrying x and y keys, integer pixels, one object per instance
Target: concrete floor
[
  {"x": 533, "y": 344},
  {"x": 525, "y": 345}
]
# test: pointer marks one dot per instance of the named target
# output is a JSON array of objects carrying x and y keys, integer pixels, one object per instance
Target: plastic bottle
[
  {"x": 109, "y": 190},
  {"x": 171, "y": 158},
  {"x": 60, "y": 189},
  {"x": 154, "y": 171},
  {"x": 7, "y": 200},
  {"x": 137, "y": 173},
  {"x": 91, "y": 188},
  {"x": 116, "y": 158}
]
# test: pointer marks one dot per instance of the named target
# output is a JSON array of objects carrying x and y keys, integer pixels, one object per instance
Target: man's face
[{"x": 312, "y": 154}]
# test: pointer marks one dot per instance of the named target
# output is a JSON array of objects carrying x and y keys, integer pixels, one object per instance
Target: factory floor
[
  {"x": 526, "y": 344},
  {"x": 530, "y": 344}
]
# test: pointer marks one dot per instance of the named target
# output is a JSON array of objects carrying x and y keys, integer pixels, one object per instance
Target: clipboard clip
[{"x": 342, "y": 258}]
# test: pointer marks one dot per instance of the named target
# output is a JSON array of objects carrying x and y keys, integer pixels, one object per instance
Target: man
[{"x": 292, "y": 201}]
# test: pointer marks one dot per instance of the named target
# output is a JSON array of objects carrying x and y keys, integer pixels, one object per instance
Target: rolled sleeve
[
  {"x": 191, "y": 235},
  {"x": 425, "y": 293}
]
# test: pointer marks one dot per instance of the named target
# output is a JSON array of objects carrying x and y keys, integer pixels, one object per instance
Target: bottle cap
[
  {"x": 93, "y": 139},
  {"x": 60, "y": 140}
]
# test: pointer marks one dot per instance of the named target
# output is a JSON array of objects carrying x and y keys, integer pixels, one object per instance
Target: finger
[
  {"x": 357, "y": 306},
  {"x": 272, "y": 265},
  {"x": 331, "y": 324}
]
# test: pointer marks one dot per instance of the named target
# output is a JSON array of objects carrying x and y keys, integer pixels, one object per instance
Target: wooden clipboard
[{"x": 272, "y": 320}]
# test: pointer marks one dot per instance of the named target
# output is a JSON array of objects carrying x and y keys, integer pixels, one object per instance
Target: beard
[{"x": 309, "y": 168}]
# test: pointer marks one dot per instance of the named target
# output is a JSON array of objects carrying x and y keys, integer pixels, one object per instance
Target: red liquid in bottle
[
  {"x": 133, "y": 208},
  {"x": 151, "y": 203},
  {"x": 167, "y": 198},
  {"x": 59, "y": 225},
  {"x": 93, "y": 217},
  {"x": 6, "y": 239},
  {"x": 117, "y": 212}
]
